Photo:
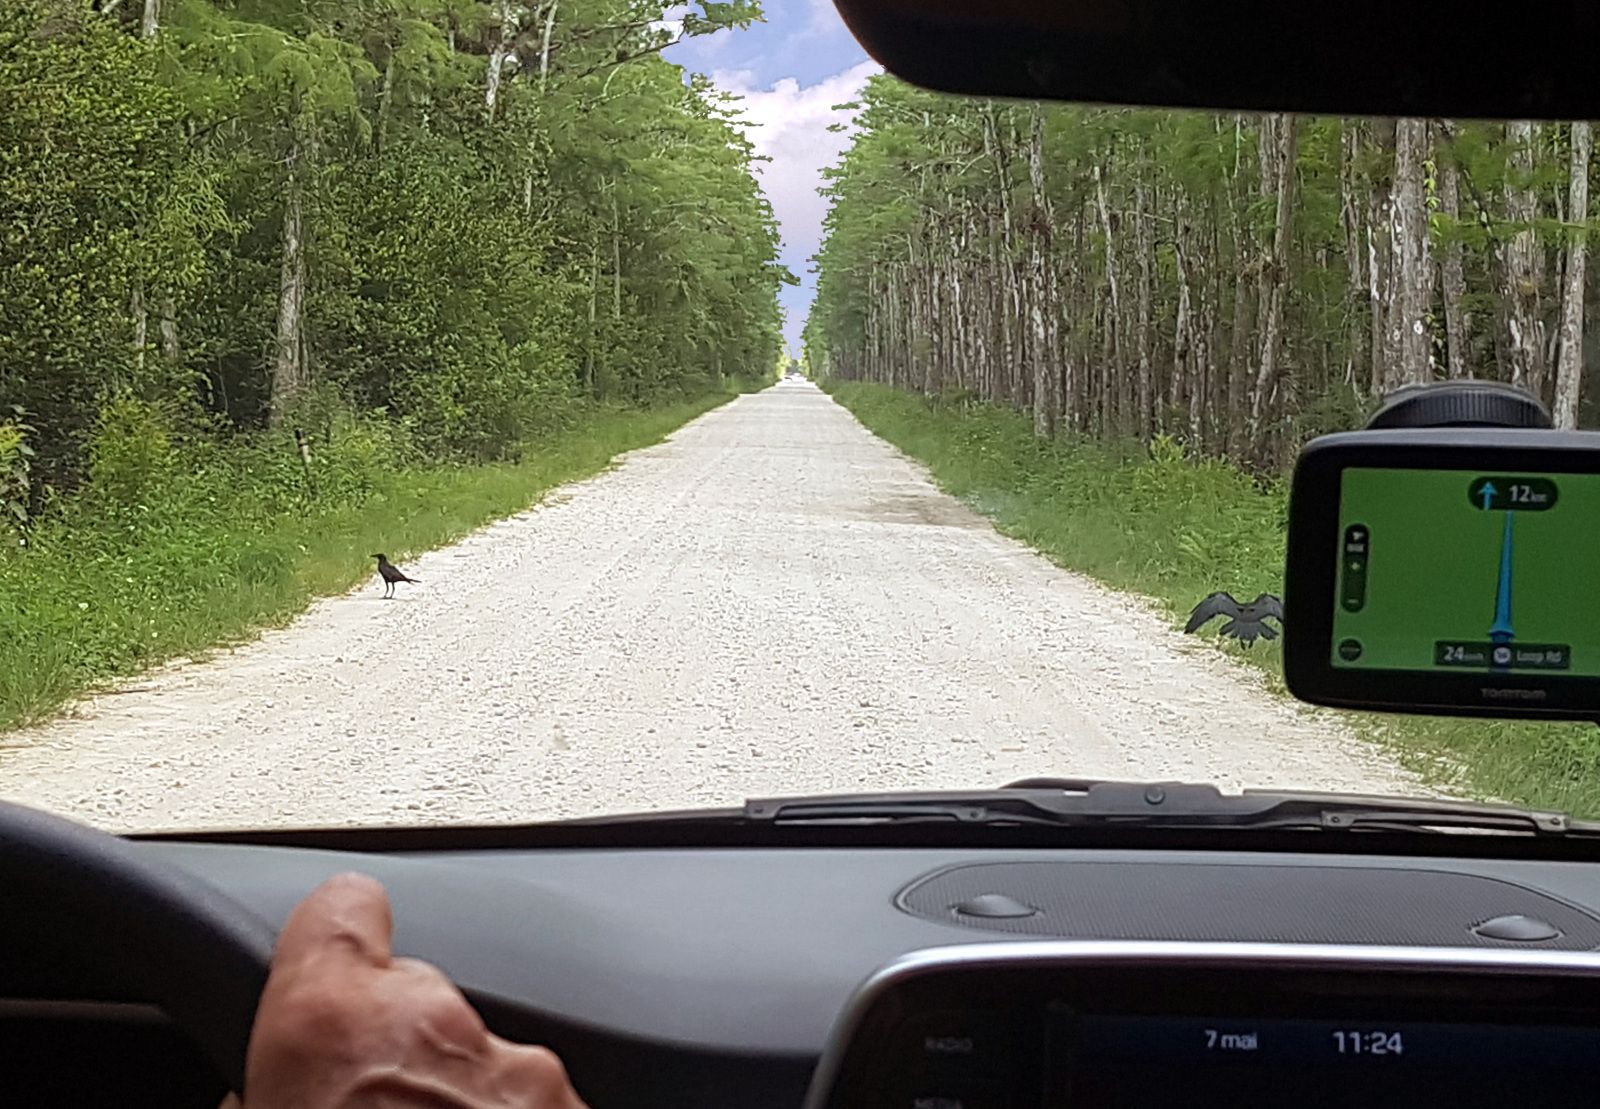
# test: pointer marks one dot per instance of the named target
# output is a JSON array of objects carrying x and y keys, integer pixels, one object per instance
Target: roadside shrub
[
  {"x": 16, "y": 474},
  {"x": 130, "y": 454},
  {"x": 356, "y": 459}
]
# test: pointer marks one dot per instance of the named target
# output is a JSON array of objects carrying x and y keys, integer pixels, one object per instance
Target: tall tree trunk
[
  {"x": 1075, "y": 404},
  {"x": 928, "y": 322},
  {"x": 169, "y": 327},
  {"x": 894, "y": 327},
  {"x": 1380, "y": 261},
  {"x": 1010, "y": 312},
  {"x": 932, "y": 328},
  {"x": 1236, "y": 406},
  {"x": 1452, "y": 277},
  {"x": 916, "y": 331},
  {"x": 1216, "y": 368},
  {"x": 1557, "y": 283},
  {"x": 1112, "y": 353},
  {"x": 616, "y": 259},
  {"x": 1041, "y": 341},
  {"x": 594, "y": 316},
  {"x": 881, "y": 317},
  {"x": 1409, "y": 333},
  {"x": 385, "y": 100},
  {"x": 1146, "y": 248},
  {"x": 998, "y": 343},
  {"x": 289, "y": 373},
  {"x": 1284, "y": 134},
  {"x": 960, "y": 314},
  {"x": 1167, "y": 388},
  {"x": 1350, "y": 208},
  {"x": 141, "y": 323},
  {"x": 1524, "y": 265},
  {"x": 872, "y": 327},
  {"x": 504, "y": 34},
  {"x": 970, "y": 295},
  {"x": 149, "y": 27},
  {"x": 1198, "y": 339},
  {"x": 1569, "y": 368},
  {"x": 544, "y": 48},
  {"x": 1181, "y": 342}
]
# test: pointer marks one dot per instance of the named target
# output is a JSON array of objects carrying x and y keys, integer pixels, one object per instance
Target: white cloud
[
  {"x": 704, "y": 49},
  {"x": 822, "y": 17},
  {"x": 788, "y": 123}
]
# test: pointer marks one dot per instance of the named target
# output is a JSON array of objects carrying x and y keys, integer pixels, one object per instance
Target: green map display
[{"x": 1458, "y": 570}]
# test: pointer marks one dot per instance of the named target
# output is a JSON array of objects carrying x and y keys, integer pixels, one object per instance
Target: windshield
[{"x": 490, "y": 411}]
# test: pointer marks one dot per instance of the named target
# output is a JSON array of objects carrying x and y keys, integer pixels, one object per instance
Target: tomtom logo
[{"x": 1514, "y": 694}]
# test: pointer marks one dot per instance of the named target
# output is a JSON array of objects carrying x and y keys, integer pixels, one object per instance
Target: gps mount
[{"x": 1460, "y": 404}]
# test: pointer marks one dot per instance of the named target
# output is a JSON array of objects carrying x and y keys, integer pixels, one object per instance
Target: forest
[
  {"x": 452, "y": 219},
  {"x": 286, "y": 282},
  {"x": 1236, "y": 283}
]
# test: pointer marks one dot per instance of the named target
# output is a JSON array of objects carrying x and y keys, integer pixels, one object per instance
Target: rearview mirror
[{"x": 1363, "y": 57}]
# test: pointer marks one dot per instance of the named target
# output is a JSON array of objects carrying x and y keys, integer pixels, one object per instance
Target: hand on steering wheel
[{"x": 344, "y": 1024}]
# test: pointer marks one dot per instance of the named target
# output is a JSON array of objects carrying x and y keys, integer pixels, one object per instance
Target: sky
[{"x": 791, "y": 71}]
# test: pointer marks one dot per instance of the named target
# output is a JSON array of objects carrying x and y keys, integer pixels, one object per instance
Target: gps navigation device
[{"x": 1446, "y": 570}]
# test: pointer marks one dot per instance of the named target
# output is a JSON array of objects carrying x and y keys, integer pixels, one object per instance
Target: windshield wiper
[{"x": 1092, "y": 803}]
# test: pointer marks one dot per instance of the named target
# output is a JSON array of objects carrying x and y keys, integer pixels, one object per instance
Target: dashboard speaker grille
[{"x": 1223, "y": 902}]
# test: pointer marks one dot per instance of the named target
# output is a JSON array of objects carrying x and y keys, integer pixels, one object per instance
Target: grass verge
[
  {"x": 1154, "y": 522},
  {"x": 219, "y": 551}
]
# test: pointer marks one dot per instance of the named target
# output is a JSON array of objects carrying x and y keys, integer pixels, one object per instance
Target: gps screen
[{"x": 1456, "y": 570}]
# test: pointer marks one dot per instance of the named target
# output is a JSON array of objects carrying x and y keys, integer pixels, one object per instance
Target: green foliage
[
  {"x": 1163, "y": 523},
  {"x": 471, "y": 278},
  {"x": 16, "y": 473},
  {"x": 88, "y": 143},
  {"x": 130, "y": 456}
]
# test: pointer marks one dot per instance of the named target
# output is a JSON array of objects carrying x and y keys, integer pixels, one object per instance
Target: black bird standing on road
[
  {"x": 1246, "y": 622},
  {"x": 390, "y": 574}
]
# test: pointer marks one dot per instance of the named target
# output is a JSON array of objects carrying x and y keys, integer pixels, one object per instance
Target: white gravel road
[{"x": 773, "y": 601}]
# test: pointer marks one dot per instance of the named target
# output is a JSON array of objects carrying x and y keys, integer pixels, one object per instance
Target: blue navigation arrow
[
  {"x": 1502, "y": 632},
  {"x": 1488, "y": 493}
]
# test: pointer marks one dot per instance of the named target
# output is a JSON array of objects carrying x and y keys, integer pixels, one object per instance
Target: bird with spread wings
[{"x": 1245, "y": 622}]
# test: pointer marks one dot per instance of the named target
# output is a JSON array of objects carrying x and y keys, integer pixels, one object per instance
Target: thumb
[{"x": 346, "y": 917}]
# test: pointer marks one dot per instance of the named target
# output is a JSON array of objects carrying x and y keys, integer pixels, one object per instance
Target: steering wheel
[{"x": 87, "y": 908}]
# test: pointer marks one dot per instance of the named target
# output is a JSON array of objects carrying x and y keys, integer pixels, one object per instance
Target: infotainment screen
[
  {"x": 1120, "y": 1062},
  {"x": 1119, "y": 1025},
  {"x": 1464, "y": 571}
]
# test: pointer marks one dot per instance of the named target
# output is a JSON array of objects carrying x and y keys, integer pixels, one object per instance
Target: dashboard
[{"x": 701, "y": 976}]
